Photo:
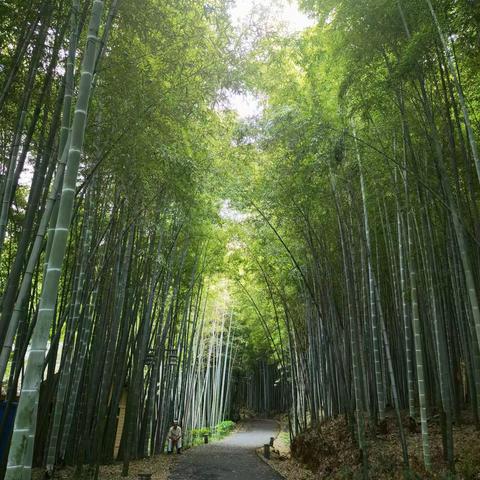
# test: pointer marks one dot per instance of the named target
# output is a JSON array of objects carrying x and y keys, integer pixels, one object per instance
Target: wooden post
[
  {"x": 205, "y": 438},
  {"x": 120, "y": 422},
  {"x": 266, "y": 451}
]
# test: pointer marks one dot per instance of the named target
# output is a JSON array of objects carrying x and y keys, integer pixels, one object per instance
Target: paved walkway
[{"x": 232, "y": 458}]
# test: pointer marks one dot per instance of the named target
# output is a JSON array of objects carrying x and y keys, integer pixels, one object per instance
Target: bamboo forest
[{"x": 243, "y": 231}]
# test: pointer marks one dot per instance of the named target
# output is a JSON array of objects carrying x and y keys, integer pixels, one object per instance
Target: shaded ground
[
  {"x": 232, "y": 458},
  {"x": 158, "y": 466},
  {"x": 330, "y": 453}
]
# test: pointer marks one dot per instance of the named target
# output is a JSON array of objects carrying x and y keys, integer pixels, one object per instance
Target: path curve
[{"x": 232, "y": 458}]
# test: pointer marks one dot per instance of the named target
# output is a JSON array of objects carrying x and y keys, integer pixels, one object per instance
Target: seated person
[{"x": 175, "y": 437}]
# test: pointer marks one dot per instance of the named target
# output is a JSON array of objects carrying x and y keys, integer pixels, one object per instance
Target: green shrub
[
  {"x": 225, "y": 427},
  {"x": 200, "y": 432}
]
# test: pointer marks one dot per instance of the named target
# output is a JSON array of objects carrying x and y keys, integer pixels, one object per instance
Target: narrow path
[{"x": 232, "y": 458}]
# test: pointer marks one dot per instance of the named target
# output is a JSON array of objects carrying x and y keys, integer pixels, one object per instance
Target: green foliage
[
  {"x": 200, "y": 432},
  {"x": 289, "y": 267},
  {"x": 224, "y": 428},
  {"x": 216, "y": 432}
]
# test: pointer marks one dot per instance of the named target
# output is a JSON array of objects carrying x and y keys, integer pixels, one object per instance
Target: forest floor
[
  {"x": 159, "y": 465},
  {"x": 230, "y": 458},
  {"x": 329, "y": 453}
]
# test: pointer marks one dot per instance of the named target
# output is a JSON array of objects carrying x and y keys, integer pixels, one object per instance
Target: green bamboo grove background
[{"x": 162, "y": 257}]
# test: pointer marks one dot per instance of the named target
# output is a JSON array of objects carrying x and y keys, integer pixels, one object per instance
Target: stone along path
[{"x": 232, "y": 458}]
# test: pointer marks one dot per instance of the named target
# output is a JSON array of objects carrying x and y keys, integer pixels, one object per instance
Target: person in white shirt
[{"x": 175, "y": 437}]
